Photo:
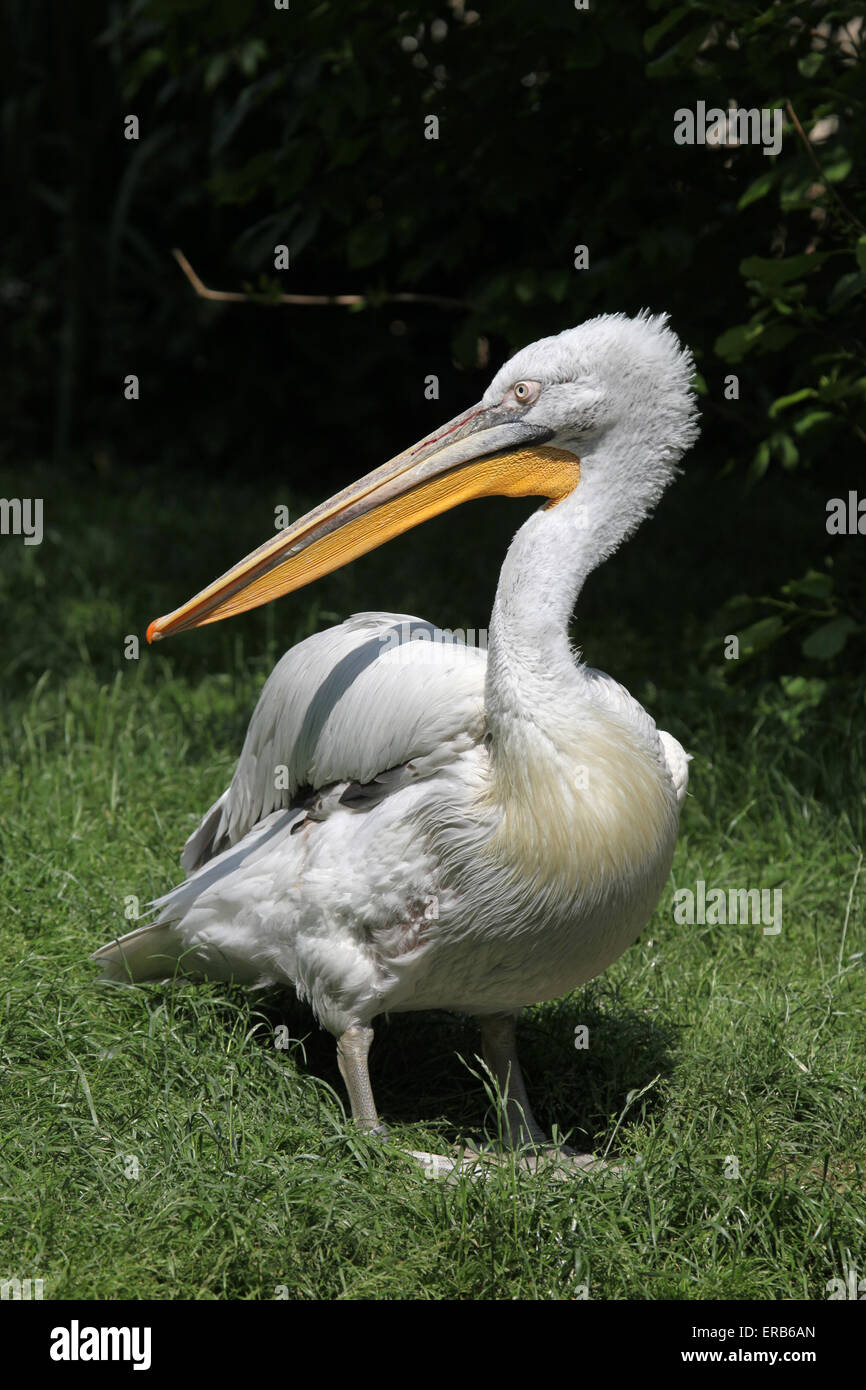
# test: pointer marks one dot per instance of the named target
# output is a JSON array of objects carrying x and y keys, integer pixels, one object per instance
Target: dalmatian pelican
[{"x": 418, "y": 824}]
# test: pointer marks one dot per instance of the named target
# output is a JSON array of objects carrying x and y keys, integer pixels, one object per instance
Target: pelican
[{"x": 419, "y": 824}]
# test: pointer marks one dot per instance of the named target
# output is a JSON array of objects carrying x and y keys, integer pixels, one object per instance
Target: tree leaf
[
  {"x": 734, "y": 343},
  {"x": 784, "y": 401},
  {"x": 845, "y": 288},
  {"x": 658, "y": 31},
  {"x": 761, "y": 634},
  {"x": 828, "y": 640},
  {"x": 812, "y": 421},
  {"x": 811, "y": 64},
  {"x": 778, "y": 271},
  {"x": 811, "y": 585},
  {"x": 759, "y": 188}
]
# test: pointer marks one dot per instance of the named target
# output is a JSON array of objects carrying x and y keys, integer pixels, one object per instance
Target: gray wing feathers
[
  {"x": 348, "y": 705},
  {"x": 200, "y": 845}
]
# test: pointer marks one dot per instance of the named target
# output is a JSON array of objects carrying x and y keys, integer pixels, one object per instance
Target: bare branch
[
  {"x": 807, "y": 145},
  {"x": 241, "y": 297}
]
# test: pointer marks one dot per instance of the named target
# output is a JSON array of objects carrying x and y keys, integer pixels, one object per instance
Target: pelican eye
[{"x": 525, "y": 392}]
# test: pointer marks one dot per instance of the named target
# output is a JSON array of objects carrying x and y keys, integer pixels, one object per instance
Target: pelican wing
[{"x": 350, "y": 704}]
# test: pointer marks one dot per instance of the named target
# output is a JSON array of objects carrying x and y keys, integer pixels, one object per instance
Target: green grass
[{"x": 705, "y": 1042}]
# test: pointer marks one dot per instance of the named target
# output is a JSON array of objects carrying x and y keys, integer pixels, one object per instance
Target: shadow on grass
[{"x": 421, "y": 1064}]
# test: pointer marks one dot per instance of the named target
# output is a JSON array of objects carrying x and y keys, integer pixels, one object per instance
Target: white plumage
[{"x": 418, "y": 824}]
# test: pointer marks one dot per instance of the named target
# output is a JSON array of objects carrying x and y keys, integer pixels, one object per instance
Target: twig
[
  {"x": 807, "y": 145},
  {"x": 241, "y": 297}
]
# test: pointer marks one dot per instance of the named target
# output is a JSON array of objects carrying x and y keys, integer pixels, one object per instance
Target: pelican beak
[{"x": 488, "y": 451}]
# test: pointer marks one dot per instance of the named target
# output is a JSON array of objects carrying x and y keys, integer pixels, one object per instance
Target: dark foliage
[{"x": 306, "y": 127}]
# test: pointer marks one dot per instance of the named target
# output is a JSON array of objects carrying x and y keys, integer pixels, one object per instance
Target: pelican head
[{"x": 598, "y": 415}]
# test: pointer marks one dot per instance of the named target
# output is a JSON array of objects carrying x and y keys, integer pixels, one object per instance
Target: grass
[{"x": 157, "y": 1144}]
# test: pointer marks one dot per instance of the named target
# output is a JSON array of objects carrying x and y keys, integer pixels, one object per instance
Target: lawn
[{"x": 156, "y": 1143}]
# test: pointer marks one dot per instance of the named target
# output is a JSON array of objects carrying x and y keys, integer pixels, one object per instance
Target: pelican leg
[
  {"x": 499, "y": 1048},
  {"x": 353, "y": 1049},
  {"x": 520, "y": 1127}
]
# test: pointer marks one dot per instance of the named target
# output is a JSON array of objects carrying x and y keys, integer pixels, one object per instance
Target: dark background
[{"x": 306, "y": 127}]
